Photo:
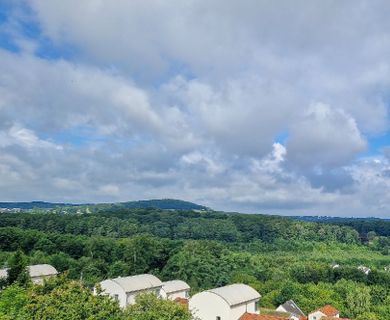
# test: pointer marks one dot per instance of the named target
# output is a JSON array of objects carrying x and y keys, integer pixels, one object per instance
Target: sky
[{"x": 256, "y": 106}]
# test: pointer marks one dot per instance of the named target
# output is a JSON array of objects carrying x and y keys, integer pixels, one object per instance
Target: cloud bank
[{"x": 250, "y": 106}]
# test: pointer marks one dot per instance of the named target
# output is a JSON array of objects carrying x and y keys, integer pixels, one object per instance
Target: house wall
[
  {"x": 111, "y": 288},
  {"x": 174, "y": 295},
  {"x": 131, "y": 296},
  {"x": 207, "y": 306},
  {"x": 40, "y": 280},
  {"x": 316, "y": 315},
  {"x": 281, "y": 309},
  {"x": 237, "y": 311}
]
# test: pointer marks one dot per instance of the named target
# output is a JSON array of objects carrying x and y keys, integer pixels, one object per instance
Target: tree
[
  {"x": 12, "y": 300},
  {"x": 17, "y": 269},
  {"x": 358, "y": 301},
  {"x": 61, "y": 299},
  {"x": 150, "y": 307}
]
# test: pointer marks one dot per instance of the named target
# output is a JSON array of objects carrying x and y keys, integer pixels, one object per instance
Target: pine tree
[{"x": 17, "y": 271}]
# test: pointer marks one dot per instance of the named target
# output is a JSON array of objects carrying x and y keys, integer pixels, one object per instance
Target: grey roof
[
  {"x": 38, "y": 270},
  {"x": 235, "y": 294},
  {"x": 291, "y": 307},
  {"x": 138, "y": 282},
  {"x": 175, "y": 286},
  {"x": 41, "y": 270}
]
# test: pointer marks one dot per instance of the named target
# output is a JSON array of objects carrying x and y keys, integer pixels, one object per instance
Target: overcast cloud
[{"x": 255, "y": 106}]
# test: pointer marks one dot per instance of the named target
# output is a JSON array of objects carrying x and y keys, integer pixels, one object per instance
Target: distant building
[
  {"x": 175, "y": 289},
  {"x": 364, "y": 269},
  {"x": 38, "y": 272},
  {"x": 125, "y": 289},
  {"x": 325, "y": 311},
  {"x": 226, "y": 303},
  {"x": 292, "y": 309}
]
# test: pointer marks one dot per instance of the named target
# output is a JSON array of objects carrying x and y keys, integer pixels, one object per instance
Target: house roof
[
  {"x": 37, "y": 270},
  {"x": 291, "y": 307},
  {"x": 41, "y": 270},
  {"x": 328, "y": 310},
  {"x": 253, "y": 316},
  {"x": 175, "y": 286},
  {"x": 138, "y": 282},
  {"x": 235, "y": 294}
]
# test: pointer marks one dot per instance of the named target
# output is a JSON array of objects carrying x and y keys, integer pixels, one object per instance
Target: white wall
[
  {"x": 172, "y": 296},
  {"x": 207, "y": 306},
  {"x": 316, "y": 315},
  {"x": 237, "y": 311},
  {"x": 40, "y": 280},
  {"x": 111, "y": 288}
]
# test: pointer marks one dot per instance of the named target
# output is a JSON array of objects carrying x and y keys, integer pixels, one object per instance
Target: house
[
  {"x": 225, "y": 303},
  {"x": 254, "y": 316},
  {"x": 175, "y": 289},
  {"x": 364, "y": 269},
  {"x": 38, "y": 272},
  {"x": 292, "y": 309},
  {"x": 325, "y": 311},
  {"x": 125, "y": 289}
]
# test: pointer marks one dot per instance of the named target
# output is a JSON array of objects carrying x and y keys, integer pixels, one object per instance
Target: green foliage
[
  {"x": 149, "y": 307},
  {"x": 281, "y": 258},
  {"x": 12, "y": 301},
  {"x": 61, "y": 300},
  {"x": 17, "y": 269}
]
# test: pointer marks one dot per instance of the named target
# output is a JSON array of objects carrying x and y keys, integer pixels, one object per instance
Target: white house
[
  {"x": 364, "y": 269},
  {"x": 175, "y": 289},
  {"x": 326, "y": 311},
  {"x": 125, "y": 289},
  {"x": 292, "y": 309},
  {"x": 38, "y": 272},
  {"x": 225, "y": 303}
]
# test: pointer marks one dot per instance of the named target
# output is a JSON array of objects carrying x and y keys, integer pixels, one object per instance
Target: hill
[{"x": 163, "y": 204}]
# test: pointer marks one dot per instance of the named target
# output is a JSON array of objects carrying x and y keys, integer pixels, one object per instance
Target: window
[
  {"x": 257, "y": 306},
  {"x": 116, "y": 297},
  {"x": 218, "y": 318}
]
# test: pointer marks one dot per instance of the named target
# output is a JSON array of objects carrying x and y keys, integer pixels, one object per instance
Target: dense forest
[{"x": 282, "y": 258}]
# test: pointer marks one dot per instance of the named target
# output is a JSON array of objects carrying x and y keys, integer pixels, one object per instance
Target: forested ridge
[{"x": 281, "y": 258}]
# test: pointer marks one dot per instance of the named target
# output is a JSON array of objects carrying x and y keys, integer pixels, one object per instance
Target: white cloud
[
  {"x": 324, "y": 137},
  {"x": 187, "y": 99}
]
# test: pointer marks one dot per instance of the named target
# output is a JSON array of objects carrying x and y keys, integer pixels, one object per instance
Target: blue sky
[{"x": 250, "y": 106}]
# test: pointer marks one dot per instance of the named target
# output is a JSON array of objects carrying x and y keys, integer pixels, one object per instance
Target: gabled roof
[
  {"x": 328, "y": 310},
  {"x": 138, "y": 282},
  {"x": 175, "y": 286},
  {"x": 235, "y": 294},
  {"x": 291, "y": 307},
  {"x": 253, "y": 316},
  {"x": 41, "y": 270}
]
